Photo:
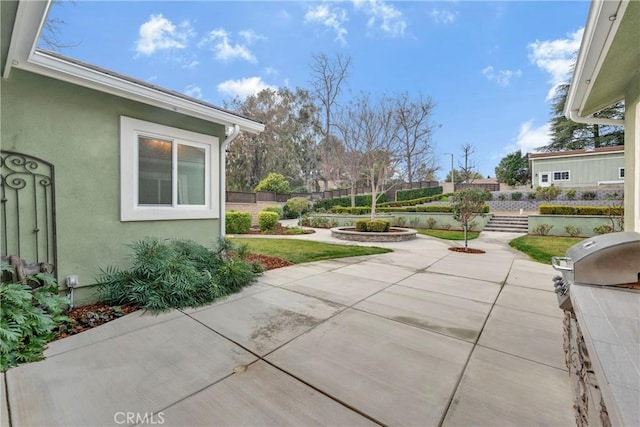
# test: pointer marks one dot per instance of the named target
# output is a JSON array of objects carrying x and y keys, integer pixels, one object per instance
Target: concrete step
[
  {"x": 506, "y": 230},
  {"x": 507, "y": 223}
]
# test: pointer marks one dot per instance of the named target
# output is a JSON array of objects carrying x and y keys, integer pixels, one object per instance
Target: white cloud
[
  {"x": 191, "y": 65},
  {"x": 251, "y": 36},
  {"x": 332, "y": 17},
  {"x": 501, "y": 77},
  {"x": 383, "y": 16},
  {"x": 556, "y": 57},
  {"x": 193, "y": 91},
  {"x": 158, "y": 33},
  {"x": 243, "y": 87},
  {"x": 530, "y": 137},
  {"x": 271, "y": 71},
  {"x": 224, "y": 49},
  {"x": 441, "y": 16}
]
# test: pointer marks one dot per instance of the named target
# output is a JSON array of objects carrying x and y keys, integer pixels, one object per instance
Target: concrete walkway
[{"x": 418, "y": 337}]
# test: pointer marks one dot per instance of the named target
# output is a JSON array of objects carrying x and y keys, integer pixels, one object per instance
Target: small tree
[
  {"x": 467, "y": 205},
  {"x": 297, "y": 205},
  {"x": 274, "y": 182},
  {"x": 547, "y": 193}
]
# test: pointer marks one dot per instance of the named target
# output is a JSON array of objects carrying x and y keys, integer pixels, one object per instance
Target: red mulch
[
  {"x": 467, "y": 250},
  {"x": 269, "y": 262}
]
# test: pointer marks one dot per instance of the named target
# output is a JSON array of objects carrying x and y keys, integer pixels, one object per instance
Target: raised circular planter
[{"x": 395, "y": 234}]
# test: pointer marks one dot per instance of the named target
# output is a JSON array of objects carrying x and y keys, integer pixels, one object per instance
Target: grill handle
[{"x": 556, "y": 263}]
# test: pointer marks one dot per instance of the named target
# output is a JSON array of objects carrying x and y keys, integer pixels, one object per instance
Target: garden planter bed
[
  {"x": 395, "y": 234},
  {"x": 467, "y": 250}
]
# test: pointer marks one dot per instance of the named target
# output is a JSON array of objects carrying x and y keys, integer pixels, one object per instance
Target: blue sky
[{"x": 490, "y": 67}]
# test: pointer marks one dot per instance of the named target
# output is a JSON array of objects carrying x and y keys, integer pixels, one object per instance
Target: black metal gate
[{"x": 28, "y": 208}]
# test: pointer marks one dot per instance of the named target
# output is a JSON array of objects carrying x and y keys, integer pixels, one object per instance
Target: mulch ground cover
[{"x": 467, "y": 250}]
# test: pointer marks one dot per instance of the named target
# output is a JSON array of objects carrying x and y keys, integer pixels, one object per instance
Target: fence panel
[
  {"x": 483, "y": 186},
  {"x": 240, "y": 197}
]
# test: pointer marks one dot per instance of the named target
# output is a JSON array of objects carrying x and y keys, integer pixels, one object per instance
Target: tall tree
[
  {"x": 512, "y": 168},
  {"x": 468, "y": 167},
  {"x": 569, "y": 135},
  {"x": 328, "y": 75},
  {"x": 458, "y": 178},
  {"x": 413, "y": 131}
]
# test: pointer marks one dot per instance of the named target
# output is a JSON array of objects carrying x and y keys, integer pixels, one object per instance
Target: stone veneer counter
[{"x": 609, "y": 320}]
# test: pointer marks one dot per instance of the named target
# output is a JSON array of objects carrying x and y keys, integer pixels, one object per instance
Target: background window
[
  {"x": 561, "y": 176},
  {"x": 620, "y": 173}
]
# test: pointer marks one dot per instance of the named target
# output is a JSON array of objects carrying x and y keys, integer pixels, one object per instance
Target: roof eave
[{"x": 602, "y": 23}]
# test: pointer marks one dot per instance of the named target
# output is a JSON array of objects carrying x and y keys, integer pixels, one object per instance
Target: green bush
[
  {"x": 28, "y": 318},
  {"x": 431, "y": 223},
  {"x": 570, "y": 194},
  {"x": 502, "y": 197},
  {"x": 531, "y": 196},
  {"x": 168, "y": 274},
  {"x": 274, "y": 182},
  {"x": 361, "y": 200},
  {"x": 603, "y": 229},
  {"x": 276, "y": 209},
  {"x": 516, "y": 195},
  {"x": 542, "y": 229},
  {"x": 237, "y": 222},
  {"x": 267, "y": 221},
  {"x": 589, "y": 195},
  {"x": 417, "y": 193},
  {"x": 572, "y": 231},
  {"x": 297, "y": 205},
  {"x": 547, "y": 193},
  {"x": 363, "y": 210},
  {"x": 419, "y": 201},
  {"x": 581, "y": 210},
  {"x": 372, "y": 225}
]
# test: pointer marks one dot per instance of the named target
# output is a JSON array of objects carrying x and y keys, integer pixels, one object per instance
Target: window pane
[
  {"x": 154, "y": 171},
  {"x": 191, "y": 175}
]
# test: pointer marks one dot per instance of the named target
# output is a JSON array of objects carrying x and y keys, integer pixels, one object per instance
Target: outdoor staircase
[{"x": 508, "y": 223}]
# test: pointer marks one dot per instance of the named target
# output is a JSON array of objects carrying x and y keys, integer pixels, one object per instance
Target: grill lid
[{"x": 609, "y": 259}]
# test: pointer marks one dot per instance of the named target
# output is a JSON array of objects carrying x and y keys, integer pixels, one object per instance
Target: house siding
[
  {"x": 632, "y": 155},
  {"x": 583, "y": 170},
  {"x": 77, "y": 130}
]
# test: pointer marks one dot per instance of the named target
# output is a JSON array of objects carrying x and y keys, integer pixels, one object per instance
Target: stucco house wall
[{"x": 78, "y": 130}]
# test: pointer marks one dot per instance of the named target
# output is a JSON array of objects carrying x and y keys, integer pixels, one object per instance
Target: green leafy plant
[
  {"x": 572, "y": 230},
  {"x": 28, "y": 318},
  {"x": 400, "y": 221},
  {"x": 603, "y": 229},
  {"x": 589, "y": 195},
  {"x": 168, "y": 274},
  {"x": 542, "y": 229},
  {"x": 274, "y": 182},
  {"x": 467, "y": 205},
  {"x": 415, "y": 222},
  {"x": 237, "y": 222},
  {"x": 373, "y": 225},
  {"x": 276, "y": 209},
  {"x": 581, "y": 210},
  {"x": 502, "y": 197},
  {"x": 570, "y": 194},
  {"x": 516, "y": 195},
  {"x": 298, "y": 205},
  {"x": 417, "y": 193},
  {"x": 531, "y": 196},
  {"x": 431, "y": 223},
  {"x": 547, "y": 193},
  {"x": 361, "y": 200},
  {"x": 267, "y": 221}
]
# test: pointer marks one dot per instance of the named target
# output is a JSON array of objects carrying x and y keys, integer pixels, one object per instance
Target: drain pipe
[{"x": 235, "y": 131}]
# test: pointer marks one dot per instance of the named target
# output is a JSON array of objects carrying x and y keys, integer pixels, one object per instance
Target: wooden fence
[{"x": 482, "y": 186}]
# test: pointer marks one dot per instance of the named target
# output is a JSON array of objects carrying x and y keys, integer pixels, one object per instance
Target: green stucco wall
[
  {"x": 77, "y": 129},
  {"x": 584, "y": 170},
  {"x": 631, "y": 148},
  {"x": 585, "y": 223}
]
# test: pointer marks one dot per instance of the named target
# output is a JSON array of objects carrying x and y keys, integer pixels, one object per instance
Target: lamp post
[{"x": 452, "y": 184}]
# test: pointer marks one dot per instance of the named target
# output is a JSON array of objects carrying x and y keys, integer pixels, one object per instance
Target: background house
[
  {"x": 93, "y": 160},
  {"x": 578, "y": 168}
]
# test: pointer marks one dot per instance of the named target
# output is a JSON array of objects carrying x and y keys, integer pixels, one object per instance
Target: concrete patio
[{"x": 422, "y": 336}]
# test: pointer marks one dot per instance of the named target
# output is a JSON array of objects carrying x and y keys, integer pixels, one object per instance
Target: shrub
[
  {"x": 547, "y": 193},
  {"x": 237, "y": 222},
  {"x": 417, "y": 193},
  {"x": 581, "y": 210},
  {"x": 572, "y": 230},
  {"x": 168, "y": 274},
  {"x": 415, "y": 221},
  {"x": 531, "y": 196},
  {"x": 372, "y": 225},
  {"x": 431, "y": 223},
  {"x": 446, "y": 226},
  {"x": 418, "y": 201},
  {"x": 274, "y": 182},
  {"x": 276, "y": 209},
  {"x": 361, "y": 225},
  {"x": 361, "y": 200},
  {"x": 589, "y": 195},
  {"x": 603, "y": 229},
  {"x": 297, "y": 205},
  {"x": 28, "y": 318},
  {"x": 267, "y": 221},
  {"x": 502, "y": 197},
  {"x": 516, "y": 195},
  {"x": 542, "y": 229},
  {"x": 570, "y": 194},
  {"x": 400, "y": 221}
]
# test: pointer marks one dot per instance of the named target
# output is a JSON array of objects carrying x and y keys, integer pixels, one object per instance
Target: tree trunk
[{"x": 596, "y": 136}]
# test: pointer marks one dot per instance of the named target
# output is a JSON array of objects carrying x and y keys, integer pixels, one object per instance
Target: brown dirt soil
[
  {"x": 89, "y": 316},
  {"x": 467, "y": 250}
]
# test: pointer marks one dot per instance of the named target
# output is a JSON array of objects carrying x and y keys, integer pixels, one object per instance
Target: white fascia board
[
  {"x": 596, "y": 41},
  {"x": 588, "y": 154},
  {"x": 57, "y": 68},
  {"x": 30, "y": 18}
]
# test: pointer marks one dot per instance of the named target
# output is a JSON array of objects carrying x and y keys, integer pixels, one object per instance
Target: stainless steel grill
[{"x": 607, "y": 260}]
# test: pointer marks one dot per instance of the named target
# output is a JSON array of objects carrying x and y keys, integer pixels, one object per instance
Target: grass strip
[
  {"x": 448, "y": 234},
  {"x": 542, "y": 248}
]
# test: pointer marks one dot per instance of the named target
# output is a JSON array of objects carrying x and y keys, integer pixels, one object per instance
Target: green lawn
[
  {"x": 542, "y": 248},
  {"x": 300, "y": 251},
  {"x": 448, "y": 234}
]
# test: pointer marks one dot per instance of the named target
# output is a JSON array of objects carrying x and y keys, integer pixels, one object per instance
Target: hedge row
[
  {"x": 363, "y": 210},
  {"x": 361, "y": 200},
  {"x": 418, "y": 201},
  {"x": 417, "y": 193},
  {"x": 581, "y": 210}
]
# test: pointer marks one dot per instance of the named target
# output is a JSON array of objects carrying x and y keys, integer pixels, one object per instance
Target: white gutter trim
[
  {"x": 30, "y": 18},
  {"x": 223, "y": 177},
  {"x": 596, "y": 41}
]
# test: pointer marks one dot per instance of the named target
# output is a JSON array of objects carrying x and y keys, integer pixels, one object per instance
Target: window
[
  {"x": 166, "y": 173},
  {"x": 561, "y": 176},
  {"x": 621, "y": 173}
]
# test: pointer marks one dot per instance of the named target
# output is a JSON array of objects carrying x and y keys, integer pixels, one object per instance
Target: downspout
[{"x": 223, "y": 176}]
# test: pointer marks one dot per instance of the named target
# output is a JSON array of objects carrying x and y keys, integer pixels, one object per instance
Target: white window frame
[
  {"x": 621, "y": 173},
  {"x": 553, "y": 176},
  {"x": 130, "y": 131}
]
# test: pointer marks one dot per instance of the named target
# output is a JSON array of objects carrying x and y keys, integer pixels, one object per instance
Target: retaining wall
[
  {"x": 407, "y": 219},
  {"x": 586, "y": 223}
]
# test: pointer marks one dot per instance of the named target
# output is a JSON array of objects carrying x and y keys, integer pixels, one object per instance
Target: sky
[{"x": 489, "y": 67}]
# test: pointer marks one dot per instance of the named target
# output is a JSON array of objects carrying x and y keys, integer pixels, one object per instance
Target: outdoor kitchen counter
[{"x": 610, "y": 323}]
